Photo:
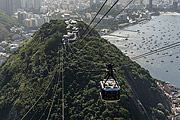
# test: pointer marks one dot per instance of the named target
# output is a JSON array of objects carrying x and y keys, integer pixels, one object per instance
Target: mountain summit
[{"x": 33, "y": 74}]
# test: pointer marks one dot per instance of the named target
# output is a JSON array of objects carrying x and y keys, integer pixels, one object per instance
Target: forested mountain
[
  {"x": 28, "y": 72},
  {"x": 6, "y": 22}
]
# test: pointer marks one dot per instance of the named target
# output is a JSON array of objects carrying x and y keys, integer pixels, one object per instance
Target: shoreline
[
  {"x": 130, "y": 24},
  {"x": 124, "y": 27},
  {"x": 169, "y": 13}
]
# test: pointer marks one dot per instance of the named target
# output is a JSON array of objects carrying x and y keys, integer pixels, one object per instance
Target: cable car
[{"x": 110, "y": 89}]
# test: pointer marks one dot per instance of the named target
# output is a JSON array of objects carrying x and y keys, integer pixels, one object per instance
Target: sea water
[{"x": 150, "y": 35}]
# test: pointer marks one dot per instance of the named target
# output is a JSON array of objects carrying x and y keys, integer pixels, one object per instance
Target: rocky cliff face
[
  {"x": 38, "y": 63},
  {"x": 146, "y": 92}
]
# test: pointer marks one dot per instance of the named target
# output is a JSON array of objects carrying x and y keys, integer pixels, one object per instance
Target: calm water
[{"x": 159, "y": 32}]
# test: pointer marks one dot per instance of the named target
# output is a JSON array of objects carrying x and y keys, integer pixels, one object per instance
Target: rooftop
[{"x": 110, "y": 85}]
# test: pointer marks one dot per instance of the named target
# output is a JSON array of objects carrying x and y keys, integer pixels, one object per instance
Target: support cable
[
  {"x": 73, "y": 54},
  {"x": 101, "y": 19},
  {"x": 165, "y": 55},
  {"x": 33, "y": 115},
  {"x": 55, "y": 87},
  {"x": 43, "y": 112},
  {"x": 62, "y": 85},
  {"x": 38, "y": 99},
  {"x": 54, "y": 95},
  {"x": 118, "y": 14},
  {"x": 157, "y": 50},
  {"x": 63, "y": 69},
  {"x": 95, "y": 16}
]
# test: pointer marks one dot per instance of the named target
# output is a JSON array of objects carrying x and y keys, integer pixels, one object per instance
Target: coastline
[
  {"x": 130, "y": 24},
  {"x": 125, "y": 25},
  {"x": 170, "y": 90},
  {"x": 169, "y": 13}
]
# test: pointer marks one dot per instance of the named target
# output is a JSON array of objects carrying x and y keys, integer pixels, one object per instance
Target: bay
[{"x": 160, "y": 31}]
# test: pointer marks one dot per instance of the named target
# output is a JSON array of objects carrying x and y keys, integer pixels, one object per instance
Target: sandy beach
[{"x": 170, "y": 13}]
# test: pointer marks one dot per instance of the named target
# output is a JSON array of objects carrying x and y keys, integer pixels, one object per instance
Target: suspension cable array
[
  {"x": 38, "y": 98},
  {"x": 157, "y": 50},
  {"x": 62, "y": 67},
  {"x": 43, "y": 112},
  {"x": 118, "y": 13},
  {"x": 63, "y": 100},
  {"x": 58, "y": 81},
  {"x": 95, "y": 16},
  {"x": 164, "y": 56},
  {"x": 96, "y": 63},
  {"x": 101, "y": 19},
  {"x": 54, "y": 93}
]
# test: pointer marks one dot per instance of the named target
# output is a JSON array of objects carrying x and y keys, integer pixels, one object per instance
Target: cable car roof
[{"x": 109, "y": 85}]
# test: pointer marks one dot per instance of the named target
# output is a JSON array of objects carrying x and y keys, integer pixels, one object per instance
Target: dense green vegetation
[
  {"x": 6, "y": 22},
  {"x": 29, "y": 70}
]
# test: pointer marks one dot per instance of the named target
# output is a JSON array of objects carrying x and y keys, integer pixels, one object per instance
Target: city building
[
  {"x": 175, "y": 5},
  {"x": 23, "y": 4},
  {"x": 2, "y": 5},
  {"x": 122, "y": 17},
  {"x": 97, "y": 2},
  {"x": 107, "y": 20},
  {"x": 10, "y": 6},
  {"x": 4, "y": 43},
  {"x": 33, "y": 22},
  {"x": 27, "y": 23},
  {"x": 119, "y": 7},
  {"x": 44, "y": 9},
  {"x": 29, "y": 5},
  {"x": 150, "y": 4},
  {"x": 46, "y": 19},
  {"x": 1, "y": 49},
  {"x": 22, "y": 16},
  {"x": 7, "y": 7},
  {"x": 37, "y": 4},
  {"x": 80, "y": 7},
  {"x": 91, "y": 3},
  {"x": 40, "y": 22},
  {"x": 16, "y": 5},
  {"x": 13, "y": 47}
]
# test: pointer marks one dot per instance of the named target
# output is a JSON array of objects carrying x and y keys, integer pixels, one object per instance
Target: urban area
[
  {"x": 32, "y": 14},
  {"x": 173, "y": 94}
]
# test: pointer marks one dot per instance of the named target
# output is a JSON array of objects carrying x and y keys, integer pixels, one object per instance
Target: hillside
[
  {"x": 31, "y": 68},
  {"x": 6, "y": 22}
]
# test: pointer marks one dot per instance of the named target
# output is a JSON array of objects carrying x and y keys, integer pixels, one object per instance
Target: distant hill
[
  {"x": 28, "y": 71},
  {"x": 6, "y": 22}
]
